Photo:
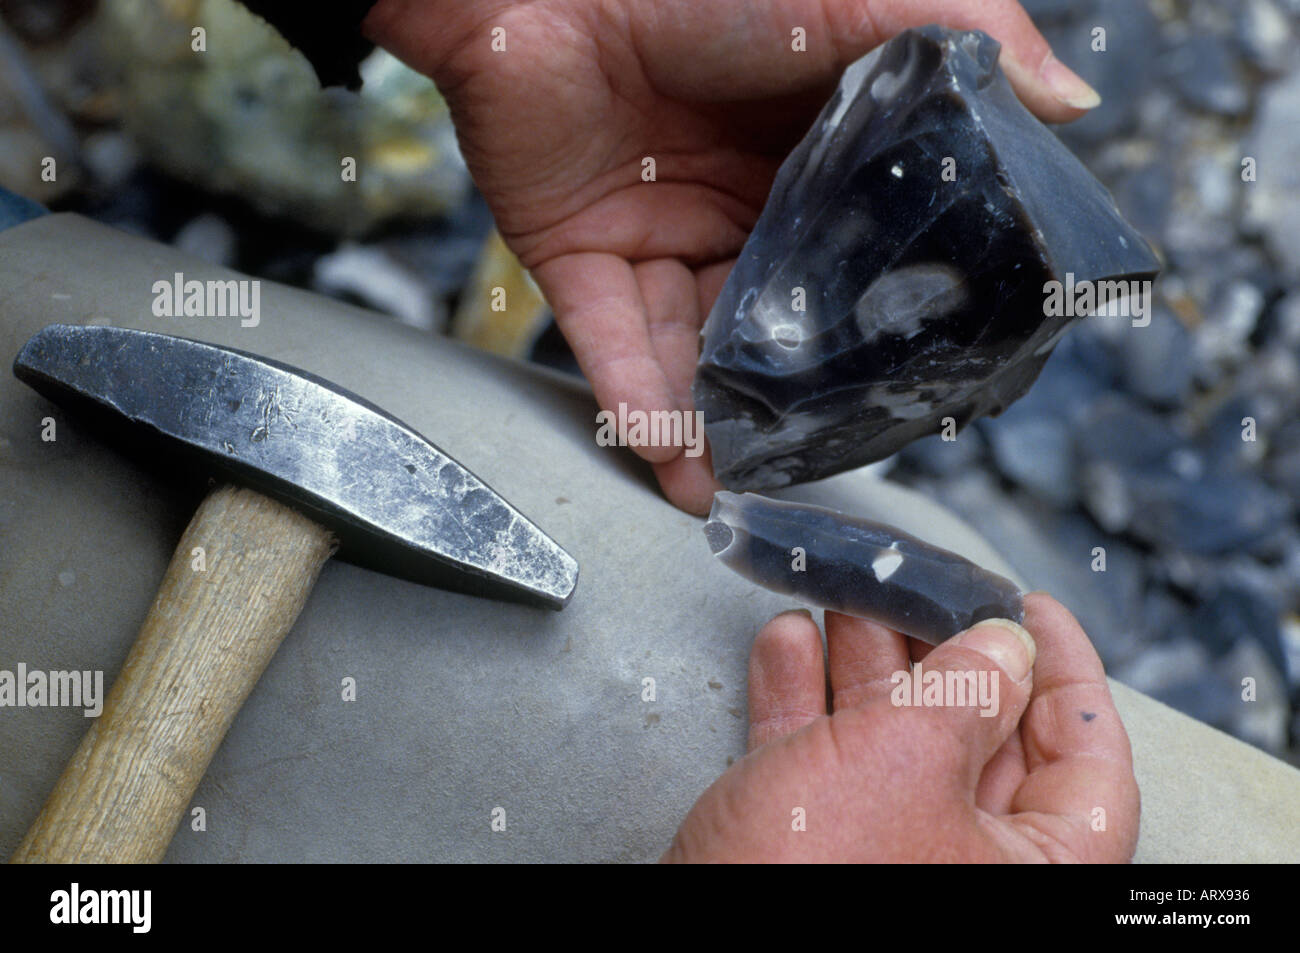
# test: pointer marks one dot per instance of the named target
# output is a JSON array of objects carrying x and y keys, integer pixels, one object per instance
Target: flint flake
[{"x": 856, "y": 566}]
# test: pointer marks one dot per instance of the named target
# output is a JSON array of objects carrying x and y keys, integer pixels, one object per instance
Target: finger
[
  {"x": 598, "y": 307},
  {"x": 975, "y": 687},
  {"x": 688, "y": 481},
  {"x": 1002, "y": 777},
  {"x": 689, "y": 54},
  {"x": 787, "y": 681},
  {"x": 1044, "y": 84},
  {"x": 1076, "y": 748},
  {"x": 710, "y": 279},
  {"x": 669, "y": 290},
  {"x": 673, "y": 322},
  {"x": 863, "y": 658}
]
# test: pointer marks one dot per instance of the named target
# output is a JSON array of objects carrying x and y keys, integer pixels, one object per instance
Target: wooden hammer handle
[{"x": 209, "y": 635}]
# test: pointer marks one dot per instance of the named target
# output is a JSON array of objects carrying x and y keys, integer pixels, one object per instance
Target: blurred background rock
[
  {"x": 237, "y": 155},
  {"x": 1131, "y": 443}
]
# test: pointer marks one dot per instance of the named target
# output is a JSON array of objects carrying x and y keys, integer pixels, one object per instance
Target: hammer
[{"x": 304, "y": 468}]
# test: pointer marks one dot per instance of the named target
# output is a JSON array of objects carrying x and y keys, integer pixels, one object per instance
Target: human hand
[
  {"x": 555, "y": 129},
  {"x": 879, "y": 783}
]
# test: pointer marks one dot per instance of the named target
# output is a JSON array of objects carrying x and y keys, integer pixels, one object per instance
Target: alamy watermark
[
  {"x": 948, "y": 689},
  {"x": 1103, "y": 299},
  {"x": 55, "y": 689},
  {"x": 651, "y": 428},
  {"x": 76, "y": 905},
  {"x": 180, "y": 298}
]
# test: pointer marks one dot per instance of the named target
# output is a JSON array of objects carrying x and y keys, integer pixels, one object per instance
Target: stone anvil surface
[{"x": 463, "y": 705}]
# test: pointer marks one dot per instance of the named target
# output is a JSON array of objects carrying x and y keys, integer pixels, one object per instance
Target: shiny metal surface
[{"x": 396, "y": 502}]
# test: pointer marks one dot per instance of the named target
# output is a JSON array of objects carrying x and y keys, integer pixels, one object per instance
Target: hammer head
[{"x": 396, "y": 502}]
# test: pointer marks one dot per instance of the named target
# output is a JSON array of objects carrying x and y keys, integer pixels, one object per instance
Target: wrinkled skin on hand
[
  {"x": 881, "y": 783},
  {"x": 555, "y": 129}
]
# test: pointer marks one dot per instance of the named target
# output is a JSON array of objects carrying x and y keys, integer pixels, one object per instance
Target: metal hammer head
[{"x": 396, "y": 502}]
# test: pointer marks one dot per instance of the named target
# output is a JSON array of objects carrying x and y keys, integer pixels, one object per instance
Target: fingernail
[
  {"x": 807, "y": 612},
  {"x": 1005, "y": 643},
  {"x": 1066, "y": 85}
]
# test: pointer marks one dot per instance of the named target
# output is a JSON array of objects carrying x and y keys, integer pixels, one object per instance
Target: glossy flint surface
[
  {"x": 856, "y": 566},
  {"x": 922, "y": 293},
  {"x": 395, "y": 501}
]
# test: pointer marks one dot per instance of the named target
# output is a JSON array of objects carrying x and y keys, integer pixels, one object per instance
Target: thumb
[
  {"x": 1047, "y": 86},
  {"x": 986, "y": 676}
]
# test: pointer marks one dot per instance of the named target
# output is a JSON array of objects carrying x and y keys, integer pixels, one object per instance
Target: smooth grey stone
[
  {"x": 210, "y": 237},
  {"x": 1241, "y": 608},
  {"x": 1282, "y": 467},
  {"x": 1036, "y": 452},
  {"x": 1213, "y": 513},
  {"x": 1206, "y": 72},
  {"x": 924, "y": 297},
  {"x": 1215, "y": 696},
  {"x": 1155, "y": 362},
  {"x": 1163, "y": 667},
  {"x": 1284, "y": 322},
  {"x": 1288, "y": 573},
  {"x": 1272, "y": 205},
  {"x": 1209, "y": 697},
  {"x": 1123, "y": 432},
  {"x": 1055, "y": 552},
  {"x": 1025, "y": 441},
  {"x": 1031, "y": 441},
  {"x": 1291, "y": 645},
  {"x": 1263, "y": 721},
  {"x": 1272, "y": 580},
  {"x": 1266, "y": 35},
  {"x": 1141, "y": 477},
  {"x": 1162, "y": 613},
  {"x": 1078, "y": 373},
  {"x": 1158, "y": 361},
  {"x": 1146, "y": 197},
  {"x": 1223, "y": 338},
  {"x": 1221, "y": 437},
  {"x": 939, "y": 457},
  {"x": 1121, "y": 73},
  {"x": 1095, "y": 346}
]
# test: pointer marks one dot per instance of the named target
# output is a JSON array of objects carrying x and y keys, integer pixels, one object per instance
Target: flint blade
[{"x": 856, "y": 566}]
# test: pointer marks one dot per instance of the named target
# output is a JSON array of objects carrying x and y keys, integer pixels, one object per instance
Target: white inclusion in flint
[
  {"x": 856, "y": 566},
  {"x": 885, "y": 565}
]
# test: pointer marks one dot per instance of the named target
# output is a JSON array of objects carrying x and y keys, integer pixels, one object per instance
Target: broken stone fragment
[
  {"x": 856, "y": 566},
  {"x": 899, "y": 273}
]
